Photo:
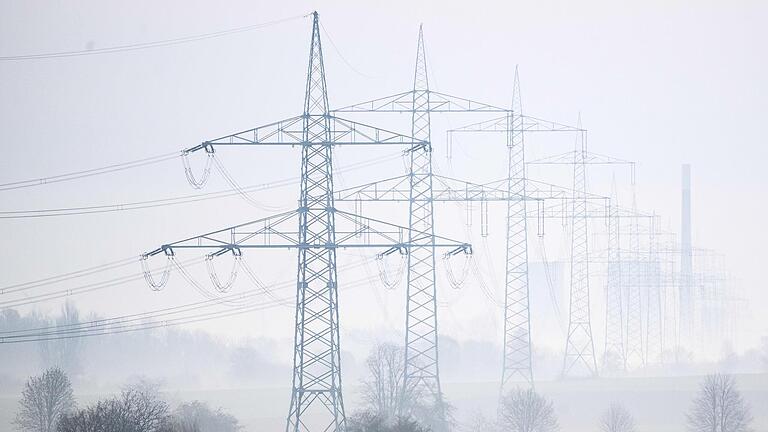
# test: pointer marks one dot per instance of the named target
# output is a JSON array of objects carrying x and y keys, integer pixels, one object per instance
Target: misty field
[{"x": 657, "y": 404}]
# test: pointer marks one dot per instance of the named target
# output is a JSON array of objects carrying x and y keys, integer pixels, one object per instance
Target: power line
[
  {"x": 147, "y": 45},
  {"x": 344, "y": 59},
  {"x": 67, "y": 276},
  {"x": 162, "y": 202},
  {"x": 88, "y": 173},
  {"x": 90, "y": 328}
]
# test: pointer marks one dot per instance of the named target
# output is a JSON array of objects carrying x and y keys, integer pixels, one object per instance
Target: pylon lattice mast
[
  {"x": 614, "y": 357},
  {"x": 421, "y": 337},
  {"x": 635, "y": 353},
  {"x": 579, "y": 346},
  {"x": 654, "y": 330},
  {"x": 579, "y": 357},
  {"x": 317, "y": 384},
  {"x": 516, "y": 366}
]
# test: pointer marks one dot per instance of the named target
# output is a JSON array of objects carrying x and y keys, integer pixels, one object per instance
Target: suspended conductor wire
[
  {"x": 165, "y": 275},
  {"x": 184, "y": 199},
  {"x": 118, "y": 329},
  {"x": 390, "y": 282},
  {"x": 87, "y": 173},
  {"x": 66, "y": 276},
  {"x": 256, "y": 281},
  {"x": 236, "y": 186},
  {"x": 152, "y": 314},
  {"x": 194, "y": 181},
  {"x": 82, "y": 289},
  {"x": 147, "y": 45},
  {"x": 202, "y": 290},
  {"x": 217, "y": 282},
  {"x": 344, "y": 59},
  {"x": 103, "y": 322},
  {"x": 551, "y": 286},
  {"x": 104, "y": 327},
  {"x": 457, "y": 281}
]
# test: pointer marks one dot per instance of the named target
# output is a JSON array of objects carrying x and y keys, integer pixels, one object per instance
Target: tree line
[
  {"x": 48, "y": 404},
  {"x": 389, "y": 406}
]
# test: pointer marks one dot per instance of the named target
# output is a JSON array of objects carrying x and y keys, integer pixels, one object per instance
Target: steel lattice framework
[
  {"x": 421, "y": 327},
  {"x": 421, "y": 336},
  {"x": 579, "y": 357},
  {"x": 579, "y": 347},
  {"x": 635, "y": 354},
  {"x": 322, "y": 229},
  {"x": 614, "y": 357},
  {"x": 516, "y": 364},
  {"x": 421, "y": 349},
  {"x": 654, "y": 329}
]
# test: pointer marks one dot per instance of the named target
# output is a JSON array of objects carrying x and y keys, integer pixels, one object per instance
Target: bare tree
[
  {"x": 617, "y": 419},
  {"x": 44, "y": 401},
  {"x": 383, "y": 391},
  {"x": 719, "y": 407},
  {"x": 138, "y": 409},
  {"x": 367, "y": 421},
  {"x": 527, "y": 411},
  {"x": 480, "y": 423},
  {"x": 197, "y": 416},
  {"x": 63, "y": 352}
]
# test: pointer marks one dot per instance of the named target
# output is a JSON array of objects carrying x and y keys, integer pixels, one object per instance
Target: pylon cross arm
[
  {"x": 503, "y": 124},
  {"x": 444, "y": 189},
  {"x": 279, "y": 232},
  {"x": 433, "y": 102},
  {"x": 292, "y": 132}
]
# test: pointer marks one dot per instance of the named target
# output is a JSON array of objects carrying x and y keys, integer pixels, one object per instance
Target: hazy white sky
[{"x": 660, "y": 83}]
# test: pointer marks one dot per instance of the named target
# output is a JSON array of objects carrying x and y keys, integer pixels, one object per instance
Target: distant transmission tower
[
  {"x": 517, "y": 317},
  {"x": 686, "y": 315},
  {"x": 654, "y": 331},
  {"x": 579, "y": 347},
  {"x": 579, "y": 357},
  {"x": 614, "y": 355},
  {"x": 635, "y": 355}
]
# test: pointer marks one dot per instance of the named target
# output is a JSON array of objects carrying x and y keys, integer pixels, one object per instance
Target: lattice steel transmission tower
[
  {"x": 614, "y": 355},
  {"x": 579, "y": 346},
  {"x": 421, "y": 337},
  {"x": 420, "y": 103},
  {"x": 421, "y": 340},
  {"x": 635, "y": 354},
  {"x": 517, "y": 365},
  {"x": 517, "y": 317},
  {"x": 654, "y": 327},
  {"x": 322, "y": 229}
]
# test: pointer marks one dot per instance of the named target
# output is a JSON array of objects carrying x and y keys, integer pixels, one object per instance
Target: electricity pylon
[
  {"x": 643, "y": 282},
  {"x": 579, "y": 357},
  {"x": 421, "y": 336},
  {"x": 421, "y": 327},
  {"x": 421, "y": 101},
  {"x": 654, "y": 328},
  {"x": 322, "y": 229},
  {"x": 579, "y": 346},
  {"x": 517, "y": 364},
  {"x": 614, "y": 357},
  {"x": 635, "y": 354}
]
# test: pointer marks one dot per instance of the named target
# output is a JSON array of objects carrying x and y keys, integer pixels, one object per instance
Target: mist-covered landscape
[{"x": 432, "y": 217}]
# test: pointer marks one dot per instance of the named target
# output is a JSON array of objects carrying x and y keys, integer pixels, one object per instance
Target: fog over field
[{"x": 505, "y": 216}]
